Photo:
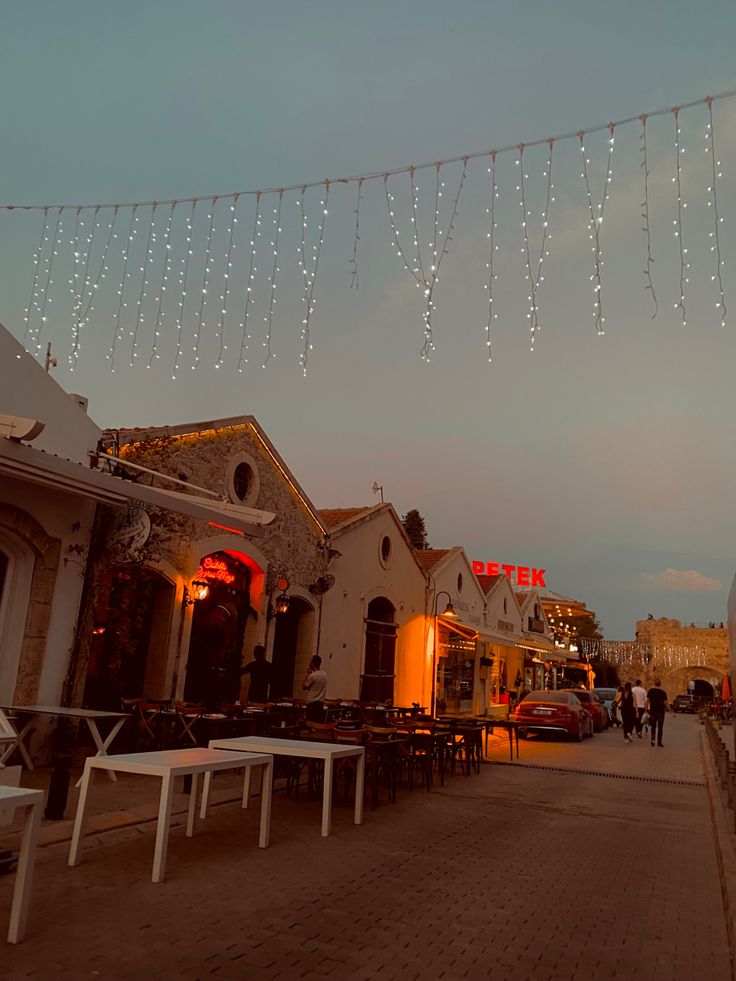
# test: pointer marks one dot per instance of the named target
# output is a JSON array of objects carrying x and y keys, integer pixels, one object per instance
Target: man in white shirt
[
  {"x": 640, "y": 701},
  {"x": 315, "y": 685}
]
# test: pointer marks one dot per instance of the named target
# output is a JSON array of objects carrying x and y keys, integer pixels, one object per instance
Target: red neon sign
[
  {"x": 525, "y": 575},
  {"x": 215, "y": 569}
]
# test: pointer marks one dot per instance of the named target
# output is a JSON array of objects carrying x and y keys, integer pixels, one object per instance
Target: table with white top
[
  {"x": 90, "y": 716},
  {"x": 169, "y": 764},
  {"x": 31, "y": 801},
  {"x": 329, "y": 752}
]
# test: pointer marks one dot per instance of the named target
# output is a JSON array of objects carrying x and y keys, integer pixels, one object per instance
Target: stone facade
[{"x": 680, "y": 654}]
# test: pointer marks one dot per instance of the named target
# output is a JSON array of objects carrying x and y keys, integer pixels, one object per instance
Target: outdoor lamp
[
  {"x": 281, "y": 603},
  {"x": 200, "y": 591},
  {"x": 449, "y": 610}
]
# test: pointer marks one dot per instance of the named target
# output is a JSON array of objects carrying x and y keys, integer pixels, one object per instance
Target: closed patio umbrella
[{"x": 726, "y": 689}]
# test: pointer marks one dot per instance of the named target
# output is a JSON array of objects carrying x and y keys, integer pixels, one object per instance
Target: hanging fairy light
[
  {"x": 199, "y": 318},
  {"x": 492, "y": 249},
  {"x": 244, "y": 335},
  {"x": 75, "y": 281},
  {"x": 102, "y": 271},
  {"x": 81, "y": 272},
  {"x": 143, "y": 292},
  {"x": 534, "y": 276},
  {"x": 159, "y": 300},
  {"x": 45, "y": 299},
  {"x": 268, "y": 318},
  {"x": 645, "y": 215},
  {"x": 33, "y": 301},
  {"x": 677, "y": 221},
  {"x": 183, "y": 276},
  {"x": 226, "y": 281},
  {"x": 714, "y": 236},
  {"x": 310, "y": 277},
  {"x": 117, "y": 329},
  {"x": 353, "y": 261},
  {"x": 594, "y": 226}
]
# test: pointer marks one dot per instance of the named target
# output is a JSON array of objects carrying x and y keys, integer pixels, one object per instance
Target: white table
[
  {"x": 90, "y": 716},
  {"x": 31, "y": 801},
  {"x": 329, "y": 752},
  {"x": 169, "y": 764}
]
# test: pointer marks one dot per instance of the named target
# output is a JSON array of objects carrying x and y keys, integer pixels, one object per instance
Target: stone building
[{"x": 682, "y": 655}]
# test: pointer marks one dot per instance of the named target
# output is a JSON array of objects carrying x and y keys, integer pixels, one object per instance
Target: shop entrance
[
  {"x": 292, "y": 648},
  {"x": 455, "y": 670},
  {"x": 377, "y": 681}
]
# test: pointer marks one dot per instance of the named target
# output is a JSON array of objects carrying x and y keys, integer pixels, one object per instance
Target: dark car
[
  {"x": 553, "y": 711},
  {"x": 593, "y": 704},
  {"x": 684, "y": 703}
]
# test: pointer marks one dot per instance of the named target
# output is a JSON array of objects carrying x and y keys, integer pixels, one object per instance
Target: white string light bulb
[
  {"x": 33, "y": 301},
  {"x": 117, "y": 330},
  {"x": 310, "y": 277},
  {"x": 226, "y": 281},
  {"x": 532, "y": 276},
  {"x": 714, "y": 236},
  {"x": 183, "y": 276},
  {"x": 199, "y": 318},
  {"x": 46, "y": 300},
  {"x": 143, "y": 292},
  {"x": 159, "y": 300},
  {"x": 244, "y": 335},
  {"x": 677, "y": 221},
  {"x": 353, "y": 261},
  {"x": 594, "y": 226},
  {"x": 645, "y": 216},
  {"x": 102, "y": 270},
  {"x": 268, "y": 318},
  {"x": 492, "y": 249}
]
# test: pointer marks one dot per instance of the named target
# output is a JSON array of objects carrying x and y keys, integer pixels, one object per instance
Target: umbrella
[{"x": 726, "y": 689}]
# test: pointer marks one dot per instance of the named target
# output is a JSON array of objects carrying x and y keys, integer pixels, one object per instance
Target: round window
[
  {"x": 385, "y": 550},
  {"x": 242, "y": 481},
  {"x": 459, "y": 582}
]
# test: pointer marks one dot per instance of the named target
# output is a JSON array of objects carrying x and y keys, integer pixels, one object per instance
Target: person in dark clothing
[
  {"x": 260, "y": 671},
  {"x": 627, "y": 707},
  {"x": 656, "y": 707}
]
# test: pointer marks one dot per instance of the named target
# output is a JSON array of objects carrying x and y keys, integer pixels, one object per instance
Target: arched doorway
[
  {"x": 377, "y": 680},
  {"x": 218, "y": 628},
  {"x": 129, "y": 644},
  {"x": 703, "y": 689},
  {"x": 293, "y": 638}
]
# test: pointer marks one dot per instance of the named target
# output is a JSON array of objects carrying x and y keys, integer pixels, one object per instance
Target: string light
[
  {"x": 354, "y": 281},
  {"x": 199, "y": 319},
  {"x": 132, "y": 231},
  {"x": 226, "y": 282},
  {"x": 159, "y": 300},
  {"x": 596, "y": 220},
  {"x": 681, "y": 205},
  {"x": 143, "y": 293},
  {"x": 82, "y": 291},
  {"x": 535, "y": 279},
  {"x": 75, "y": 284},
  {"x": 53, "y": 252},
  {"x": 244, "y": 335},
  {"x": 310, "y": 277},
  {"x": 183, "y": 276},
  {"x": 268, "y": 318},
  {"x": 492, "y": 249},
  {"x": 713, "y": 202},
  {"x": 645, "y": 215},
  {"x": 102, "y": 270},
  {"x": 33, "y": 301}
]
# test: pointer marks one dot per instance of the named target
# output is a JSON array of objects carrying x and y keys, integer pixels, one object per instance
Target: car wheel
[
  {"x": 579, "y": 734},
  {"x": 591, "y": 729}
]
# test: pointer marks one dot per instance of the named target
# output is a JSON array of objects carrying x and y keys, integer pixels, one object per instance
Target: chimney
[{"x": 81, "y": 400}]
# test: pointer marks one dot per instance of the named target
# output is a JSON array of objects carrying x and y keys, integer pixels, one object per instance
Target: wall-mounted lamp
[
  {"x": 449, "y": 610},
  {"x": 280, "y": 604},
  {"x": 200, "y": 591}
]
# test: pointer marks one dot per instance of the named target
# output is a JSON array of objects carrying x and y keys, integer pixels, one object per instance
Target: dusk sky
[{"x": 607, "y": 460}]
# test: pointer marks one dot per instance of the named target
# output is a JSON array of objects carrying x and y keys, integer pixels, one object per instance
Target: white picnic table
[
  {"x": 169, "y": 764},
  {"x": 30, "y": 800},
  {"x": 90, "y": 716},
  {"x": 329, "y": 752}
]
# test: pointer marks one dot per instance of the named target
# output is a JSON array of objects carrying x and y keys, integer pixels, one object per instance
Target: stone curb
[{"x": 725, "y": 845}]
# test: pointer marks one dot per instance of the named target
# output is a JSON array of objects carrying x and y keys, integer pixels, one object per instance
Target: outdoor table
[
  {"x": 329, "y": 752},
  {"x": 90, "y": 716},
  {"x": 511, "y": 727},
  {"x": 31, "y": 801},
  {"x": 168, "y": 764}
]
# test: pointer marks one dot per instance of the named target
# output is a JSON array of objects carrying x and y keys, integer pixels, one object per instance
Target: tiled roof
[
  {"x": 429, "y": 557},
  {"x": 332, "y": 517},
  {"x": 487, "y": 582}
]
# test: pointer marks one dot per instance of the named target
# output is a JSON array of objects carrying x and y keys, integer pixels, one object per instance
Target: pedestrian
[
  {"x": 640, "y": 704},
  {"x": 628, "y": 712},
  {"x": 260, "y": 671},
  {"x": 615, "y": 705},
  {"x": 315, "y": 685},
  {"x": 656, "y": 707}
]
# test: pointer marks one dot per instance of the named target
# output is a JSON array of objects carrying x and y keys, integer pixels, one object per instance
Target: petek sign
[{"x": 525, "y": 574}]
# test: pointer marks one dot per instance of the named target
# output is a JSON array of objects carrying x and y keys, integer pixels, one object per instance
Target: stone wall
[{"x": 680, "y": 654}]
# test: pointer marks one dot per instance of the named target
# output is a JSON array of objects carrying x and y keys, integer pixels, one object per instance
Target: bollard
[{"x": 58, "y": 787}]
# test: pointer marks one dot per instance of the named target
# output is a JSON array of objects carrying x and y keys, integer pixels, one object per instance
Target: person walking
[
  {"x": 640, "y": 704},
  {"x": 315, "y": 685},
  {"x": 628, "y": 712},
  {"x": 656, "y": 707}
]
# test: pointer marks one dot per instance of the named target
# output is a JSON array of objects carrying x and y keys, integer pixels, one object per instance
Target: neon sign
[
  {"x": 215, "y": 569},
  {"x": 525, "y": 575}
]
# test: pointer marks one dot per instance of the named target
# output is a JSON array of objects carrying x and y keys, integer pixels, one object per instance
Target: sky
[{"x": 606, "y": 460}]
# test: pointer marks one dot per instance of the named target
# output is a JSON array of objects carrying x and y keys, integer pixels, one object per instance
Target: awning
[
  {"x": 541, "y": 649},
  {"x": 470, "y": 633},
  {"x": 26, "y": 463}
]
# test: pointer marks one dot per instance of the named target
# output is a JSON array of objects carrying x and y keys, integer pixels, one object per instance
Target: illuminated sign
[
  {"x": 525, "y": 574},
  {"x": 215, "y": 569}
]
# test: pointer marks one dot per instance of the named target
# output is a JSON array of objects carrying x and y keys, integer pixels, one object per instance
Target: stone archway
[{"x": 676, "y": 680}]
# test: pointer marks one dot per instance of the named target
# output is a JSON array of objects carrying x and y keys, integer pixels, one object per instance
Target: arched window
[{"x": 377, "y": 681}]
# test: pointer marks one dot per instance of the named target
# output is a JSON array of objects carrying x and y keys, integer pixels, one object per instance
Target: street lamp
[{"x": 449, "y": 611}]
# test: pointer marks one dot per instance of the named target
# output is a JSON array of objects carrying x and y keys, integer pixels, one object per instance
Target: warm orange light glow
[{"x": 234, "y": 531}]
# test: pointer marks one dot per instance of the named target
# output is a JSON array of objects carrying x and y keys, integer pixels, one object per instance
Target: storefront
[{"x": 457, "y": 668}]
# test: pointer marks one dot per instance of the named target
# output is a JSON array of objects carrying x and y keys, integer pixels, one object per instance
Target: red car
[
  {"x": 593, "y": 705},
  {"x": 554, "y": 711}
]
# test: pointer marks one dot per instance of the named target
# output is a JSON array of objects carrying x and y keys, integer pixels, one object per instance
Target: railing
[{"x": 725, "y": 768}]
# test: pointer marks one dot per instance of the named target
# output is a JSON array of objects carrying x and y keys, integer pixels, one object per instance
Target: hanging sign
[{"x": 132, "y": 530}]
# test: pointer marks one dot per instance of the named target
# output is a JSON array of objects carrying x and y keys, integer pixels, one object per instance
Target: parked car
[
  {"x": 607, "y": 696},
  {"x": 684, "y": 703},
  {"x": 593, "y": 705},
  {"x": 553, "y": 711}
]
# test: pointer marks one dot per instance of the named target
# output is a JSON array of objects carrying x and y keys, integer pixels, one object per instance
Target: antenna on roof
[{"x": 377, "y": 489}]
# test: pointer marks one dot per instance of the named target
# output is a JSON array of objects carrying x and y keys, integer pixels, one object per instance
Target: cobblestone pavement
[{"x": 521, "y": 872}]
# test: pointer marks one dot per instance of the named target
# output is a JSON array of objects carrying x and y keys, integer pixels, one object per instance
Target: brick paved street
[{"x": 522, "y": 872}]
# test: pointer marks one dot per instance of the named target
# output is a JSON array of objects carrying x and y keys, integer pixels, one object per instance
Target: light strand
[
  {"x": 77, "y": 322},
  {"x": 353, "y": 261},
  {"x": 199, "y": 318},
  {"x": 117, "y": 331},
  {"x": 244, "y": 335},
  {"x": 75, "y": 285},
  {"x": 492, "y": 249},
  {"x": 45, "y": 301},
  {"x": 681, "y": 205},
  {"x": 143, "y": 292},
  {"x": 310, "y": 278},
  {"x": 159, "y": 300},
  {"x": 102, "y": 269},
  {"x": 395, "y": 233},
  {"x": 534, "y": 278},
  {"x": 415, "y": 227},
  {"x": 222, "y": 346},
  {"x": 268, "y": 318},
  {"x": 645, "y": 216},
  {"x": 183, "y": 276},
  {"x": 713, "y": 202},
  {"x": 596, "y": 220},
  {"x": 33, "y": 300}
]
